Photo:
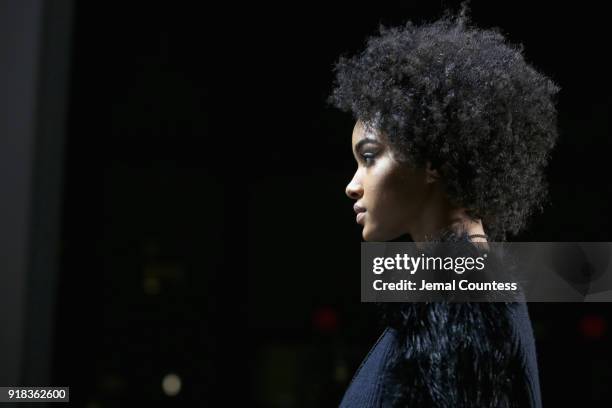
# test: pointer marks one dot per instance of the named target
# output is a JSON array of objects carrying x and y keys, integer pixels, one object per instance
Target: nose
[{"x": 354, "y": 189}]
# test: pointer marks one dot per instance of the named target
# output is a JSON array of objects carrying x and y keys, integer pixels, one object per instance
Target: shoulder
[
  {"x": 526, "y": 345},
  {"x": 460, "y": 352}
]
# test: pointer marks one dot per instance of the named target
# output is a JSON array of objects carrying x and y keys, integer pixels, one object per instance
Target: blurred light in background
[
  {"x": 592, "y": 326},
  {"x": 171, "y": 384},
  {"x": 325, "y": 319}
]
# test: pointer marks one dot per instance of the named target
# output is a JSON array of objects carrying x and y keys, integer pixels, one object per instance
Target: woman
[{"x": 453, "y": 130}]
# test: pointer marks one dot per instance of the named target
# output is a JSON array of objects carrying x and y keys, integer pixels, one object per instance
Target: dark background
[{"x": 205, "y": 230}]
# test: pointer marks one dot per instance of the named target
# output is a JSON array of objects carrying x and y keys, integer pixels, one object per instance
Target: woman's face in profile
[{"x": 389, "y": 196}]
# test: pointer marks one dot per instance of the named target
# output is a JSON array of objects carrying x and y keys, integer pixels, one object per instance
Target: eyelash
[{"x": 368, "y": 158}]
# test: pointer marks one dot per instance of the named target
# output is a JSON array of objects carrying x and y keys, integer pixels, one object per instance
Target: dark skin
[{"x": 400, "y": 199}]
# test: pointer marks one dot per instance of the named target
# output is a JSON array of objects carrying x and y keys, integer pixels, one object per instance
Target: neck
[{"x": 435, "y": 220}]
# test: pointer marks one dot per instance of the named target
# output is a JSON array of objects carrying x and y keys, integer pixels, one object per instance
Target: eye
[{"x": 368, "y": 158}]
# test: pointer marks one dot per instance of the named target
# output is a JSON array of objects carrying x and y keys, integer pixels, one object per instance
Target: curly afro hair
[{"x": 465, "y": 100}]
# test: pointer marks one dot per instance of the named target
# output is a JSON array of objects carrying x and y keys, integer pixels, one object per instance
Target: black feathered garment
[{"x": 442, "y": 354}]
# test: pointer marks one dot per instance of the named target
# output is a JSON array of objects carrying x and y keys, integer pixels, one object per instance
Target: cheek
[
  {"x": 383, "y": 191},
  {"x": 399, "y": 196}
]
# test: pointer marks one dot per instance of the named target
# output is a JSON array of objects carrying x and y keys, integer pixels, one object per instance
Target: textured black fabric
[{"x": 446, "y": 354}]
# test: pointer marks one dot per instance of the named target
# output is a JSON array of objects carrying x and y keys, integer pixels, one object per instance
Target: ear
[{"x": 431, "y": 175}]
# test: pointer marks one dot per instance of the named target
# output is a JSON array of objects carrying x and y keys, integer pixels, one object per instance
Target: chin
[
  {"x": 374, "y": 235},
  {"x": 371, "y": 235}
]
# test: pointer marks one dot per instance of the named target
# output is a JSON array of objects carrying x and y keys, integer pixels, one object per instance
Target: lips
[
  {"x": 360, "y": 216},
  {"x": 358, "y": 208},
  {"x": 360, "y": 213}
]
